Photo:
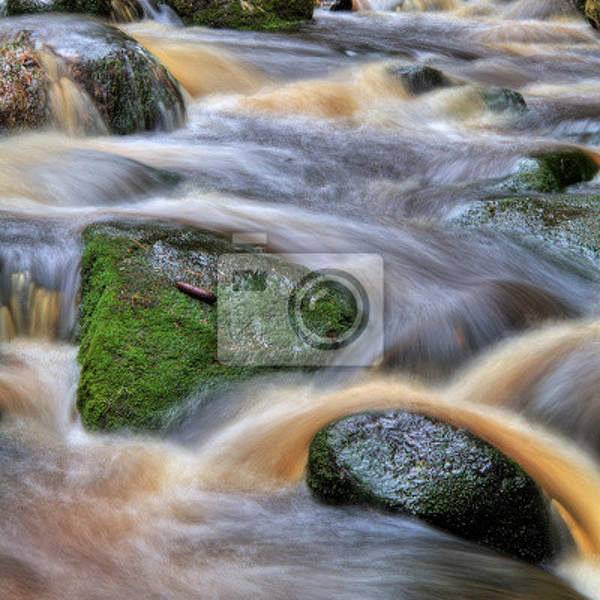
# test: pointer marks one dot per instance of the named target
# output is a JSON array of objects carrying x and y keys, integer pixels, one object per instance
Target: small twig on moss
[
  {"x": 196, "y": 292},
  {"x": 139, "y": 244}
]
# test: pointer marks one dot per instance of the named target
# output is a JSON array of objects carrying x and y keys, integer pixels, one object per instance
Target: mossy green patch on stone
[
  {"x": 418, "y": 466},
  {"x": 260, "y": 15},
  {"x": 551, "y": 171}
]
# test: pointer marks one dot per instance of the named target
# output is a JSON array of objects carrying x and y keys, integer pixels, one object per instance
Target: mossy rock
[
  {"x": 590, "y": 9},
  {"x": 146, "y": 346},
  {"x": 414, "y": 465},
  {"x": 259, "y": 15},
  {"x": 592, "y": 13},
  {"x": 117, "y": 10},
  {"x": 23, "y": 85},
  {"x": 569, "y": 221},
  {"x": 131, "y": 90},
  {"x": 550, "y": 171}
]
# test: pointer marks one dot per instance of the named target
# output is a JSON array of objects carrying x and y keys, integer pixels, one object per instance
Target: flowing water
[{"x": 308, "y": 139}]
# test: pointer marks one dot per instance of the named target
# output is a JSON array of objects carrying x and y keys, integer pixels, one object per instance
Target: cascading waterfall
[{"x": 38, "y": 283}]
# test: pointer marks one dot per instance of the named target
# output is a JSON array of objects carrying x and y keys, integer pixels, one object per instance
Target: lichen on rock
[{"x": 23, "y": 94}]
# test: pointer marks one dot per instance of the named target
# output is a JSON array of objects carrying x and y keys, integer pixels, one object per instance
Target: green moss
[
  {"x": 144, "y": 344},
  {"x": 259, "y": 15},
  {"x": 414, "y": 465},
  {"x": 551, "y": 171},
  {"x": 23, "y": 85}
]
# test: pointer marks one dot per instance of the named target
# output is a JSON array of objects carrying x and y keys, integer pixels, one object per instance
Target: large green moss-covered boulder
[
  {"x": 414, "y": 465},
  {"x": 146, "y": 347},
  {"x": 128, "y": 87},
  {"x": 144, "y": 344},
  {"x": 244, "y": 14},
  {"x": 23, "y": 85}
]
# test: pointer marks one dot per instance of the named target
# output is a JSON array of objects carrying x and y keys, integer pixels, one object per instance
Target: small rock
[
  {"x": 419, "y": 79},
  {"x": 500, "y": 100}
]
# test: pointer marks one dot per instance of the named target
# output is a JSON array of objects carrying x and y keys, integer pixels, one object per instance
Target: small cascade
[
  {"x": 72, "y": 109},
  {"x": 160, "y": 12},
  {"x": 38, "y": 283}
]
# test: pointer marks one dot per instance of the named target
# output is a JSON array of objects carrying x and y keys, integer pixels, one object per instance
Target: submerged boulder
[
  {"x": 243, "y": 14},
  {"x": 414, "y": 465},
  {"x": 125, "y": 86}
]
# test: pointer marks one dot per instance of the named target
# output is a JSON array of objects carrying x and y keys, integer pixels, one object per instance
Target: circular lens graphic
[{"x": 328, "y": 309}]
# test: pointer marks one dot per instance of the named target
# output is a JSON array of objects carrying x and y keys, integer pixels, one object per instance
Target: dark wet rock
[
  {"x": 419, "y": 79},
  {"x": 117, "y": 10},
  {"x": 23, "y": 85},
  {"x": 500, "y": 100},
  {"x": 414, "y": 465},
  {"x": 341, "y": 5},
  {"x": 131, "y": 90},
  {"x": 244, "y": 14}
]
